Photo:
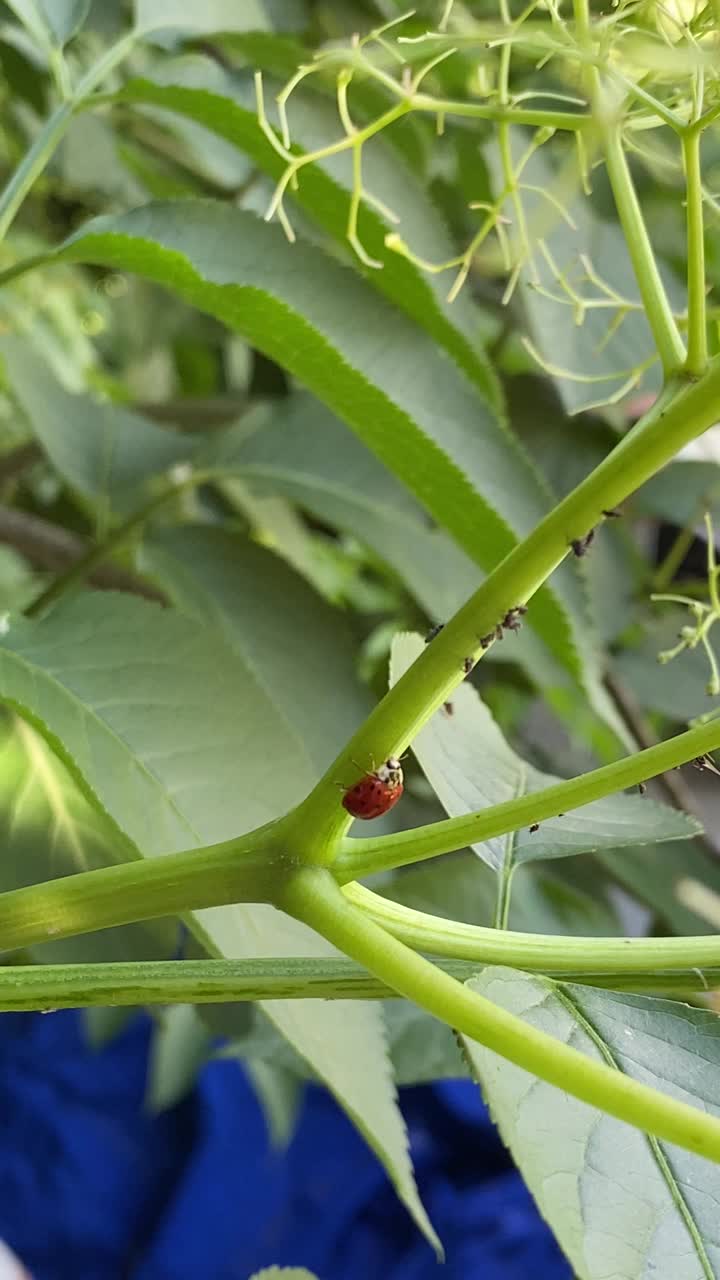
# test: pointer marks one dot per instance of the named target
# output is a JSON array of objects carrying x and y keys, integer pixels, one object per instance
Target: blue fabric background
[{"x": 92, "y": 1187}]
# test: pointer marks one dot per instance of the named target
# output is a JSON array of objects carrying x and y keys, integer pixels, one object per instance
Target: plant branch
[
  {"x": 652, "y": 291},
  {"x": 89, "y": 562},
  {"x": 678, "y": 416},
  {"x": 696, "y": 284},
  {"x": 362, "y": 857},
  {"x": 50, "y": 546},
  {"x": 313, "y": 897},
  {"x": 241, "y": 870},
  {"x": 600, "y": 961},
  {"x": 81, "y": 986}
]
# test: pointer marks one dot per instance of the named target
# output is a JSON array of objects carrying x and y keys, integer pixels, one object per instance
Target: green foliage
[
  {"x": 405, "y": 404},
  {"x": 624, "y": 1216}
]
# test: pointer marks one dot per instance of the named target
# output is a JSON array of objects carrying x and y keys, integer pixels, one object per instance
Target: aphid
[
  {"x": 448, "y": 708},
  {"x": 705, "y": 762},
  {"x": 468, "y": 664},
  {"x": 513, "y": 618},
  {"x": 495, "y": 634},
  {"x": 580, "y": 545},
  {"x": 434, "y": 631},
  {"x": 377, "y": 792},
  {"x": 642, "y": 788},
  {"x": 535, "y": 827},
  {"x": 612, "y": 513}
]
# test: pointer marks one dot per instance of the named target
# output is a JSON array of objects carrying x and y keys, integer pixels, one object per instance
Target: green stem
[
  {"x": 677, "y": 417},
  {"x": 659, "y": 959},
  {"x": 659, "y": 313},
  {"x": 34, "y": 161},
  {"x": 364, "y": 856},
  {"x": 497, "y": 113},
  {"x": 313, "y": 897},
  {"x": 81, "y": 568},
  {"x": 241, "y": 870},
  {"x": 80, "y": 986},
  {"x": 696, "y": 285}
]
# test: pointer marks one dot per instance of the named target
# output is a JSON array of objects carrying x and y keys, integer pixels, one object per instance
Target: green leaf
[
  {"x": 64, "y": 18},
  {"x": 201, "y": 90},
  {"x": 297, "y": 647},
  {"x": 280, "y": 1093},
  {"x": 370, "y": 364},
  {"x": 470, "y": 766},
  {"x": 620, "y": 1203},
  {"x": 180, "y": 1046},
  {"x": 51, "y": 21},
  {"x": 344, "y": 1041},
  {"x": 103, "y": 451},
  {"x": 48, "y": 829},
  {"x": 681, "y": 493},
  {"x": 160, "y": 718},
  {"x": 191, "y": 750},
  {"x": 305, "y": 453},
  {"x": 204, "y": 17},
  {"x": 654, "y": 876}
]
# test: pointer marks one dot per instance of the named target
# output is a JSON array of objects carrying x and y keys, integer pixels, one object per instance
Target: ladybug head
[{"x": 390, "y": 772}]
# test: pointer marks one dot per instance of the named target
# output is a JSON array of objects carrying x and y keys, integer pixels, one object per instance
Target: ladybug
[{"x": 377, "y": 792}]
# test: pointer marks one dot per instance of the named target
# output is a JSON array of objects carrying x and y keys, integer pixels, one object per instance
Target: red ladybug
[{"x": 377, "y": 792}]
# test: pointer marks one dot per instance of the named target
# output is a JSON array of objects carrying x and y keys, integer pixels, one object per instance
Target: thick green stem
[
  {"x": 313, "y": 897},
  {"x": 662, "y": 959},
  {"x": 362, "y": 857},
  {"x": 697, "y": 322},
  {"x": 242, "y": 870},
  {"x": 81, "y": 986},
  {"x": 677, "y": 417}
]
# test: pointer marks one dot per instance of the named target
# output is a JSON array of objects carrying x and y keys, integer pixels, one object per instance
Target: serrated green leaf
[
  {"x": 298, "y": 648},
  {"x": 179, "y": 756},
  {"x": 620, "y": 1203},
  {"x": 223, "y": 102},
  {"x": 470, "y": 766},
  {"x": 105, "y": 452},
  {"x": 379, "y": 372}
]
